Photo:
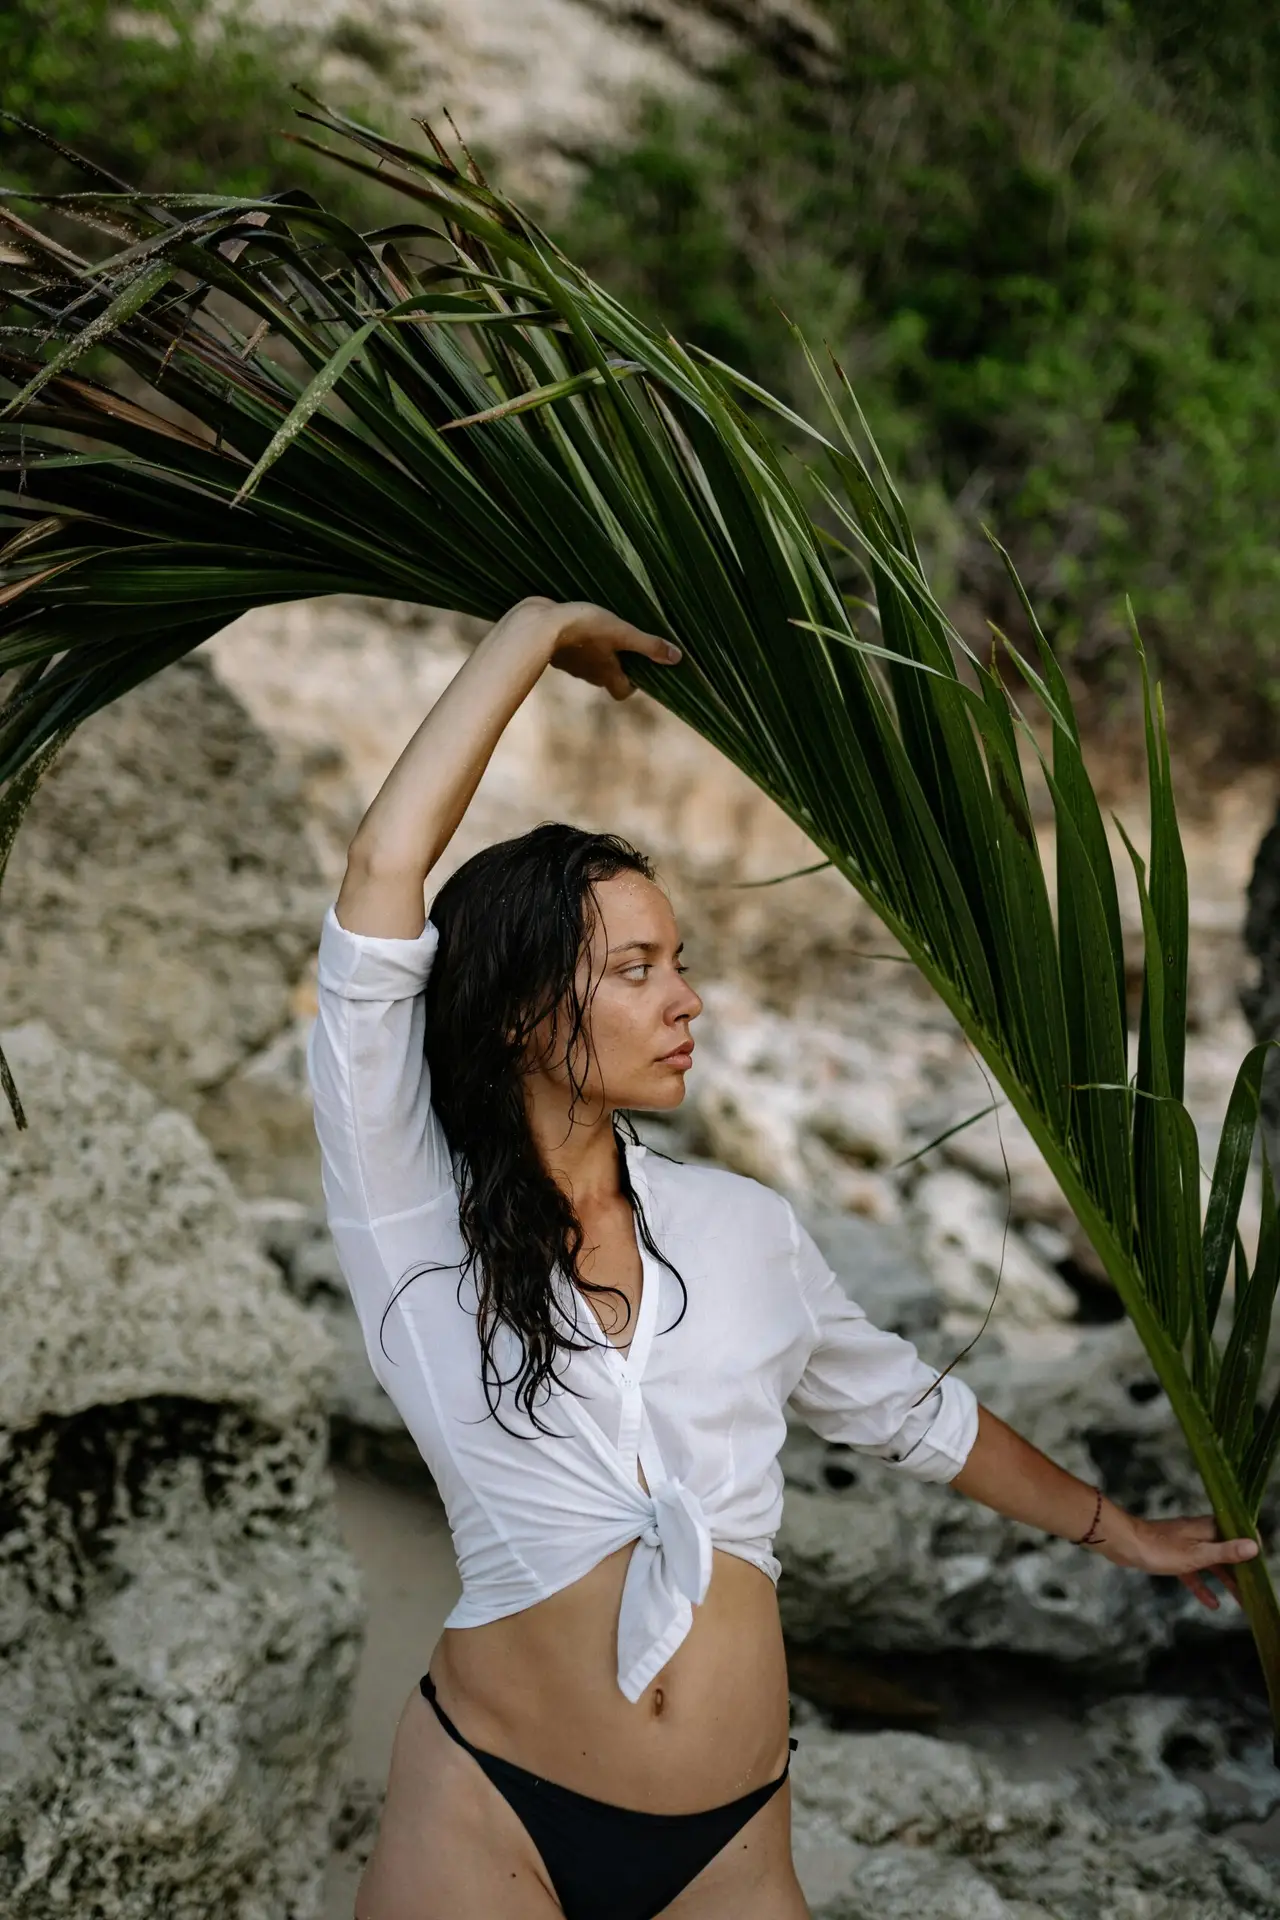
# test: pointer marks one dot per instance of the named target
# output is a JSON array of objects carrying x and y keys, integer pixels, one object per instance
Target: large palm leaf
[{"x": 450, "y": 412}]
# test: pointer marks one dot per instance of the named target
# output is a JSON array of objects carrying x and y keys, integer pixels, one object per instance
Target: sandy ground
[{"x": 401, "y": 1543}]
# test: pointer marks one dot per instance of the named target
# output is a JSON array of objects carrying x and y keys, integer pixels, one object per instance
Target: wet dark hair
[{"x": 513, "y": 922}]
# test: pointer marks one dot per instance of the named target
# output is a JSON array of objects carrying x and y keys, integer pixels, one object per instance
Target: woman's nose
[{"x": 688, "y": 1006}]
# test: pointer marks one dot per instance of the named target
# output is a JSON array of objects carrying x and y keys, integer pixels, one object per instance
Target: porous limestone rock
[
  {"x": 1157, "y": 1761},
  {"x": 1000, "y": 1151},
  {"x": 974, "y": 1258},
  {"x": 179, "y": 1620},
  {"x": 163, "y": 900},
  {"x": 900, "y": 1826}
]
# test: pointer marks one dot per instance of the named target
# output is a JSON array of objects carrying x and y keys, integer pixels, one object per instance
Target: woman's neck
[{"x": 581, "y": 1154}]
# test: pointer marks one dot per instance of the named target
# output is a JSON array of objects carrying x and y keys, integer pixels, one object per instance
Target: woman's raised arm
[{"x": 418, "y": 808}]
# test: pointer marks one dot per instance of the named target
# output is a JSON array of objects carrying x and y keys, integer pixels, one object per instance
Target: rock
[
  {"x": 544, "y": 80},
  {"x": 1160, "y": 1760},
  {"x": 179, "y": 1620},
  {"x": 973, "y": 1256},
  {"x": 259, "y": 1120},
  {"x": 843, "y": 1881},
  {"x": 796, "y": 1102},
  {"x": 1001, "y": 1152},
  {"x": 888, "y": 1825},
  {"x": 910, "y": 1568},
  {"x": 752, "y": 1126},
  {"x": 163, "y": 899},
  {"x": 920, "y": 1791},
  {"x": 856, "y": 1689}
]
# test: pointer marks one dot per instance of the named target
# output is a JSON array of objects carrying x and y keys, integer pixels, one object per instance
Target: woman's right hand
[
  {"x": 416, "y": 811},
  {"x": 587, "y": 640}
]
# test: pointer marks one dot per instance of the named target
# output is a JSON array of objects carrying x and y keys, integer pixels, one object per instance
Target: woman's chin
[{"x": 659, "y": 1097}]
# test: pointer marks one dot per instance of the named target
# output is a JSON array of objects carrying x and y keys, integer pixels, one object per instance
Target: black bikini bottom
[{"x": 607, "y": 1862}]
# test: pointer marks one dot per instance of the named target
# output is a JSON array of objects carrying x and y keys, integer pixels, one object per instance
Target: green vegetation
[
  {"x": 1044, "y": 237},
  {"x": 168, "y": 94},
  {"x": 1047, "y": 248}
]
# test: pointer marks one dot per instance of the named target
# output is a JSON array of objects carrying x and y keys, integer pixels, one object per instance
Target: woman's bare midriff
[{"x": 540, "y": 1688}]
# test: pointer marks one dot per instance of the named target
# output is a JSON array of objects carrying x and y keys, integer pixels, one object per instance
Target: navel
[{"x": 658, "y": 1702}]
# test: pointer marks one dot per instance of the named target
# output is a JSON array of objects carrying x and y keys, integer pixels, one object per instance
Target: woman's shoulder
[{"x": 716, "y": 1190}]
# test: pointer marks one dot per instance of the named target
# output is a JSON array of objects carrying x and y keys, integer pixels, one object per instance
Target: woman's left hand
[
  {"x": 1189, "y": 1548},
  {"x": 1011, "y": 1476}
]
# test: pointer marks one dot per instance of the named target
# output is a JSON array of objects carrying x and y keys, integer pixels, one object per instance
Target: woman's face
[{"x": 638, "y": 1005}]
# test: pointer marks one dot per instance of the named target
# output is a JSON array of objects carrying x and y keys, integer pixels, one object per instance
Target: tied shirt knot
[
  {"x": 678, "y": 1529},
  {"x": 668, "y": 1576}
]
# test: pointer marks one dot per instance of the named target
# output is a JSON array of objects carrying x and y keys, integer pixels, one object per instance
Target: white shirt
[{"x": 698, "y": 1400}]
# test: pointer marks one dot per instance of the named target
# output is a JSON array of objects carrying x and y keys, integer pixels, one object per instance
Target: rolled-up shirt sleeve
[{"x": 868, "y": 1389}]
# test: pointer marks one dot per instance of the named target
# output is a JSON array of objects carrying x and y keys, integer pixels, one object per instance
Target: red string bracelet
[{"x": 1087, "y": 1539}]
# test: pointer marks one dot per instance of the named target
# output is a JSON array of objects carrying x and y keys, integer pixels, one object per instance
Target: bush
[
  {"x": 1053, "y": 276},
  {"x": 174, "y": 95}
]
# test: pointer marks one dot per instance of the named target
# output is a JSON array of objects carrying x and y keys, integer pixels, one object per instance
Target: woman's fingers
[
  {"x": 1197, "y": 1584},
  {"x": 594, "y": 644},
  {"x": 1191, "y": 1549},
  {"x": 1194, "y": 1550},
  {"x": 1202, "y": 1590},
  {"x": 1218, "y": 1553},
  {"x": 586, "y": 628},
  {"x": 636, "y": 640}
]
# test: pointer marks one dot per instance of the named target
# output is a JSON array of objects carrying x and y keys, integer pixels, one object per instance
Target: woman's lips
[{"x": 678, "y": 1057}]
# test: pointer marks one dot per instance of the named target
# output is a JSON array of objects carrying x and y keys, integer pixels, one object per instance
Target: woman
[{"x": 592, "y": 1346}]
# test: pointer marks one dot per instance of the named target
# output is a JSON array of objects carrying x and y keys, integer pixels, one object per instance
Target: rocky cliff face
[
  {"x": 162, "y": 896},
  {"x": 160, "y": 907},
  {"x": 179, "y": 1622},
  {"x": 538, "y": 82},
  {"x": 896, "y": 1826}
]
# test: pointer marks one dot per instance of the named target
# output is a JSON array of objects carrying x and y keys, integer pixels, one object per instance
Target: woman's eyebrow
[{"x": 643, "y": 946}]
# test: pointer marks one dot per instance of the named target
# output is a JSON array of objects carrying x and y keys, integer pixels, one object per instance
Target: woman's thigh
[
  {"x": 752, "y": 1877},
  {"x": 449, "y": 1847}
]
